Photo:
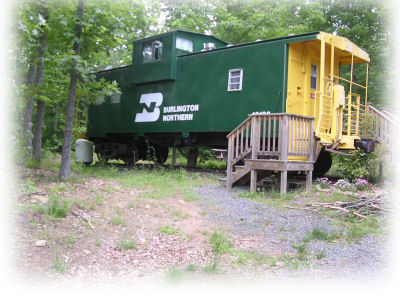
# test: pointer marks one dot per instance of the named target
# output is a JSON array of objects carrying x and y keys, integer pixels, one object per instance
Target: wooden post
[
  {"x": 309, "y": 181},
  {"x": 229, "y": 165},
  {"x": 253, "y": 180},
  {"x": 283, "y": 182},
  {"x": 284, "y": 137}
]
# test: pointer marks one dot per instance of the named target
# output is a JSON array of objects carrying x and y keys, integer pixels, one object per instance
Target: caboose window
[
  {"x": 115, "y": 97},
  {"x": 184, "y": 44},
  {"x": 235, "y": 79},
  {"x": 152, "y": 50},
  {"x": 314, "y": 76}
]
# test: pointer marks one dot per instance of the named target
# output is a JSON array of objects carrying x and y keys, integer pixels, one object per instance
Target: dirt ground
[{"x": 112, "y": 232}]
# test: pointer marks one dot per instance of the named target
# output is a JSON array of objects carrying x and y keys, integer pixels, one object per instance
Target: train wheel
[
  {"x": 323, "y": 164},
  {"x": 193, "y": 153}
]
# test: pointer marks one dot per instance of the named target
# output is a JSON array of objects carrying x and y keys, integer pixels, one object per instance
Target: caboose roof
[{"x": 347, "y": 47}]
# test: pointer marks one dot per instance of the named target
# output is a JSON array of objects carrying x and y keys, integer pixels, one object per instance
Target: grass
[
  {"x": 118, "y": 220},
  {"x": 220, "y": 244},
  {"x": 99, "y": 199},
  {"x": 318, "y": 234},
  {"x": 169, "y": 230},
  {"x": 158, "y": 184},
  {"x": 357, "y": 229},
  {"x": 174, "y": 275},
  {"x": 70, "y": 241},
  {"x": 272, "y": 197},
  {"x": 243, "y": 257},
  {"x": 126, "y": 244},
  {"x": 59, "y": 266},
  {"x": 180, "y": 214},
  {"x": 57, "y": 207}
]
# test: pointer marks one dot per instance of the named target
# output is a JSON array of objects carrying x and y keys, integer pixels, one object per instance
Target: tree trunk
[
  {"x": 27, "y": 128},
  {"x": 65, "y": 169},
  {"x": 37, "y": 137},
  {"x": 56, "y": 119}
]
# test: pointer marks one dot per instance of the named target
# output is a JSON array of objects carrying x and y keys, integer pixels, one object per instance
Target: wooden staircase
[
  {"x": 267, "y": 142},
  {"x": 383, "y": 125}
]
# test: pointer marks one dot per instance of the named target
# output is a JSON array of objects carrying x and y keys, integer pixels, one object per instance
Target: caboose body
[{"x": 190, "y": 89}]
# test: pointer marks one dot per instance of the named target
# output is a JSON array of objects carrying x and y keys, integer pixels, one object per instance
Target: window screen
[{"x": 235, "y": 79}]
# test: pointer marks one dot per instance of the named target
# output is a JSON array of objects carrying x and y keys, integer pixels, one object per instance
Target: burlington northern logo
[{"x": 151, "y": 110}]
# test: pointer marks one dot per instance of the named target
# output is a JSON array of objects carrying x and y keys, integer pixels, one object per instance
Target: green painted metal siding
[{"x": 199, "y": 79}]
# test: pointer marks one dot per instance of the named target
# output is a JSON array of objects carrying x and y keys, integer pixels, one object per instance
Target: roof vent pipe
[{"x": 208, "y": 46}]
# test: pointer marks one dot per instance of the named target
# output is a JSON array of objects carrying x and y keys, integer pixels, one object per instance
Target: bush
[{"x": 358, "y": 165}]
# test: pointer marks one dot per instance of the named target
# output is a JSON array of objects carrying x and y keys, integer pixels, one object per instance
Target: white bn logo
[{"x": 149, "y": 100}]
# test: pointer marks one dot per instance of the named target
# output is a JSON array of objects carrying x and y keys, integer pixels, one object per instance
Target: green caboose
[{"x": 190, "y": 89}]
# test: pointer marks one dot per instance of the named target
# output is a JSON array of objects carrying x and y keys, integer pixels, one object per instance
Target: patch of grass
[
  {"x": 80, "y": 204},
  {"x": 272, "y": 197},
  {"x": 220, "y": 244},
  {"x": 258, "y": 259},
  {"x": 126, "y": 244},
  {"x": 59, "y": 266},
  {"x": 318, "y": 234},
  {"x": 191, "y": 268},
  {"x": 180, "y": 214},
  {"x": 320, "y": 255},
  {"x": 301, "y": 251},
  {"x": 57, "y": 207},
  {"x": 62, "y": 187},
  {"x": 98, "y": 243},
  {"x": 38, "y": 209},
  {"x": 212, "y": 268},
  {"x": 169, "y": 230},
  {"x": 357, "y": 229},
  {"x": 118, "y": 220},
  {"x": 70, "y": 241},
  {"x": 99, "y": 199},
  {"x": 174, "y": 275}
]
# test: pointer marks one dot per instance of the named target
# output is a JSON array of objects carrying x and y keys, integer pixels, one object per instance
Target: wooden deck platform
[{"x": 271, "y": 142}]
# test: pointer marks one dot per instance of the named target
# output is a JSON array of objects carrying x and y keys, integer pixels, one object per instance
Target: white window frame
[
  {"x": 316, "y": 78},
  {"x": 230, "y": 77},
  {"x": 184, "y": 44}
]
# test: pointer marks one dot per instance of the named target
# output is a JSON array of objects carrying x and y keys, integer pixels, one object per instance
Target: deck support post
[
  {"x": 229, "y": 164},
  {"x": 283, "y": 182},
  {"x": 309, "y": 181},
  {"x": 253, "y": 180}
]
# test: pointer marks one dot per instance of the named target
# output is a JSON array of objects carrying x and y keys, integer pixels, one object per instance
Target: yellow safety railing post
[{"x": 321, "y": 82}]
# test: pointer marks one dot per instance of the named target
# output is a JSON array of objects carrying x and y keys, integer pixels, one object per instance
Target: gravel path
[{"x": 278, "y": 229}]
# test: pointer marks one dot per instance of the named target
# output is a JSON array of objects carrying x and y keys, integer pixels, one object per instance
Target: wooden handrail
[
  {"x": 384, "y": 116},
  {"x": 277, "y": 136}
]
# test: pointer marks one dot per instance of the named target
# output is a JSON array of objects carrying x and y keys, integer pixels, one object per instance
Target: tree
[
  {"x": 66, "y": 150},
  {"x": 37, "y": 136}
]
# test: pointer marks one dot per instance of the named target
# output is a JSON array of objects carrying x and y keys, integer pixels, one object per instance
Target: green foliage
[
  {"x": 59, "y": 265},
  {"x": 126, "y": 244},
  {"x": 360, "y": 165},
  {"x": 169, "y": 230},
  {"x": 118, "y": 220},
  {"x": 318, "y": 234},
  {"x": 57, "y": 207},
  {"x": 174, "y": 275},
  {"x": 357, "y": 229},
  {"x": 220, "y": 244}
]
